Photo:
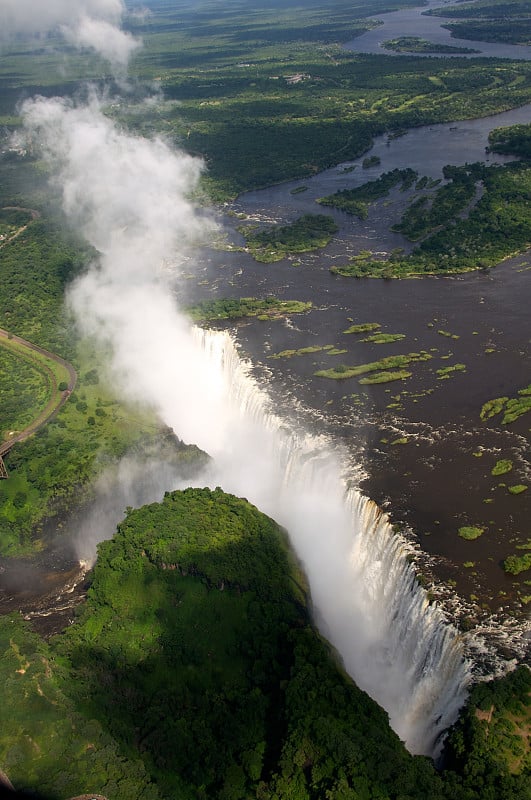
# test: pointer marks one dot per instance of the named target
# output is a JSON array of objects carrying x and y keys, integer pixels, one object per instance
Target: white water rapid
[{"x": 393, "y": 642}]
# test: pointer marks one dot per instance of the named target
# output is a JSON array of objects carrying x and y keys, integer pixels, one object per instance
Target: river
[
  {"x": 434, "y": 484},
  {"x": 414, "y": 22}
]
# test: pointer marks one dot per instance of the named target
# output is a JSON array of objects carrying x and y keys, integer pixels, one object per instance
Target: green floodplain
[{"x": 197, "y": 611}]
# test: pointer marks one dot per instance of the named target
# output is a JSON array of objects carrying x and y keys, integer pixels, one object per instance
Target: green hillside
[{"x": 193, "y": 671}]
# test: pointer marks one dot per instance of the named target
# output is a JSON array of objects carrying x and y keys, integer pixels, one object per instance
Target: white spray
[{"x": 368, "y": 603}]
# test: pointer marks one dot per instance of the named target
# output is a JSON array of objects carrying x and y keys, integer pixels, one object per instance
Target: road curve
[{"x": 57, "y": 400}]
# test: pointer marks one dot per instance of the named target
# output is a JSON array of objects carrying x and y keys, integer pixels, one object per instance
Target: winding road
[{"x": 57, "y": 399}]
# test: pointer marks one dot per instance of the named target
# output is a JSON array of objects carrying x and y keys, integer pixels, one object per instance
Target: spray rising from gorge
[{"x": 135, "y": 210}]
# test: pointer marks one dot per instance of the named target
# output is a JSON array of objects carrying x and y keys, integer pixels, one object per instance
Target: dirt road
[{"x": 57, "y": 400}]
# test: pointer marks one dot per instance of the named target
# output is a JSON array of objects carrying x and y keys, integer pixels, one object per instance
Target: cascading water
[{"x": 393, "y": 642}]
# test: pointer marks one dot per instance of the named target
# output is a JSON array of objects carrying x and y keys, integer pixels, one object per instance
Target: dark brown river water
[{"x": 426, "y": 455}]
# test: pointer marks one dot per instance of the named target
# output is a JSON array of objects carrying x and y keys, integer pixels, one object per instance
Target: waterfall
[{"x": 367, "y": 602}]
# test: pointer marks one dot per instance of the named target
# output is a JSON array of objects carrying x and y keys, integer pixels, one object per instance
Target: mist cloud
[
  {"x": 131, "y": 199},
  {"x": 85, "y": 23}
]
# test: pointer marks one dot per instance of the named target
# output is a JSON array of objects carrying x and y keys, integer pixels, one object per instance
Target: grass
[
  {"x": 384, "y": 338},
  {"x": 448, "y": 334},
  {"x": 470, "y": 532},
  {"x": 518, "y": 488},
  {"x": 502, "y": 466},
  {"x": 53, "y": 469},
  {"x": 445, "y": 372},
  {"x": 512, "y": 407},
  {"x": 386, "y": 377},
  {"x": 343, "y": 372},
  {"x": 492, "y": 407},
  {"x": 304, "y": 351},
  {"x": 514, "y": 565},
  {"x": 363, "y": 327}
]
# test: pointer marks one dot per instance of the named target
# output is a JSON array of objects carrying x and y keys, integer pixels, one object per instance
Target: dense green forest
[
  {"x": 479, "y": 217},
  {"x": 239, "y": 308},
  {"x": 356, "y": 201},
  {"x": 284, "y": 99},
  {"x": 274, "y": 242},
  {"x": 193, "y": 671}
]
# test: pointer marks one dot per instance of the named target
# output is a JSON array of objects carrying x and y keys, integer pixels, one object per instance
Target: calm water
[{"x": 413, "y": 22}]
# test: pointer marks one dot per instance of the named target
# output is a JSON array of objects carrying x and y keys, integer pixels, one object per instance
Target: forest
[
  {"x": 309, "y": 232},
  {"x": 476, "y": 219},
  {"x": 193, "y": 671}
]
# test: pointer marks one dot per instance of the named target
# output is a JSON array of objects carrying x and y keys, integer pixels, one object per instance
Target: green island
[
  {"x": 415, "y": 44},
  {"x": 343, "y": 372},
  {"x": 489, "y": 20},
  {"x": 384, "y": 338},
  {"x": 445, "y": 372},
  {"x": 512, "y": 140},
  {"x": 428, "y": 213},
  {"x": 502, "y": 466},
  {"x": 512, "y": 407},
  {"x": 239, "y": 308},
  {"x": 371, "y": 161},
  {"x": 470, "y": 532},
  {"x": 204, "y": 579},
  {"x": 363, "y": 327},
  {"x": 356, "y": 201},
  {"x": 387, "y": 376},
  {"x": 518, "y": 488},
  {"x": 453, "y": 242},
  {"x": 310, "y": 232}
]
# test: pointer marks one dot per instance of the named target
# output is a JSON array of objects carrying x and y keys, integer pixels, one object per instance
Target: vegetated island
[
  {"x": 512, "y": 407},
  {"x": 489, "y": 21},
  {"x": 193, "y": 671},
  {"x": 387, "y": 369},
  {"x": 309, "y": 232},
  {"x": 356, "y": 201},
  {"x": 233, "y": 308},
  {"x": 454, "y": 224},
  {"x": 415, "y": 44}
]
